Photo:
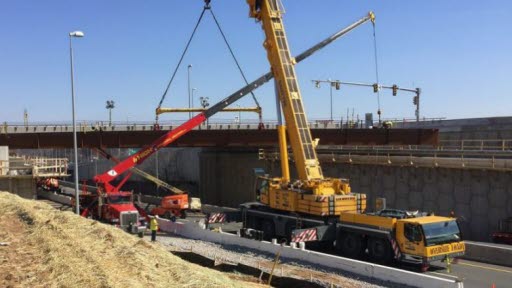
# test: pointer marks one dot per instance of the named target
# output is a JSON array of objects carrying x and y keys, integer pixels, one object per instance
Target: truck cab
[
  {"x": 429, "y": 238},
  {"x": 118, "y": 208},
  {"x": 114, "y": 208}
]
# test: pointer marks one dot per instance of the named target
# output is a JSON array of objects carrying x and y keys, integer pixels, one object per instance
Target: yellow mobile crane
[
  {"x": 305, "y": 194},
  {"x": 323, "y": 210}
]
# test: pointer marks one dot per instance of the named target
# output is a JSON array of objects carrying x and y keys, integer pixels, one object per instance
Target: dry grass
[{"x": 49, "y": 248}]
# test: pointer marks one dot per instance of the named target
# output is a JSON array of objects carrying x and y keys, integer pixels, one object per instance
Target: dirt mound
[{"x": 50, "y": 248}]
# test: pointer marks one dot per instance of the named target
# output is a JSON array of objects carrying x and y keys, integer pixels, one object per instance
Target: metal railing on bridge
[
  {"x": 85, "y": 127},
  {"x": 215, "y": 124}
]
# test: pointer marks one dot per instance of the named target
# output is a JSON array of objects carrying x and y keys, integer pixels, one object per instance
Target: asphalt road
[{"x": 475, "y": 274}]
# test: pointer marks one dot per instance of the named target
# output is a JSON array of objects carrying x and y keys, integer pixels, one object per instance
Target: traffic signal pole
[{"x": 376, "y": 87}]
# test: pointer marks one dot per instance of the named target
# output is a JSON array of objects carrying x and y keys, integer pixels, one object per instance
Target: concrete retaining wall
[
  {"x": 479, "y": 198},
  {"x": 24, "y": 186},
  {"x": 227, "y": 178},
  {"x": 373, "y": 271}
]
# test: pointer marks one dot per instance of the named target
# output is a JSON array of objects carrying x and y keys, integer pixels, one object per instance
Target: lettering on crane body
[{"x": 143, "y": 154}]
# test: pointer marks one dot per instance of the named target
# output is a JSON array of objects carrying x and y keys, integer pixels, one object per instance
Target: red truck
[{"x": 116, "y": 208}]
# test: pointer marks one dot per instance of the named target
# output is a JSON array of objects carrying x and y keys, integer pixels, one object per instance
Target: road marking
[
  {"x": 443, "y": 274},
  {"x": 486, "y": 267}
]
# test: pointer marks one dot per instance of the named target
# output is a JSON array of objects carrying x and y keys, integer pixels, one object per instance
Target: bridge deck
[{"x": 234, "y": 136}]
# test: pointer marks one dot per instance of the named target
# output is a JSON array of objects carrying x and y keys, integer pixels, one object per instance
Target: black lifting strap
[
  {"x": 233, "y": 55},
  {"x": 207, "y": 7}
]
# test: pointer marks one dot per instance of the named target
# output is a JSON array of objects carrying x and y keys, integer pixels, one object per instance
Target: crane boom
[
  {"x": 171, "y": 136},
  {"x": 141, "y": 173},
  {"x": 282, "y": 64}
]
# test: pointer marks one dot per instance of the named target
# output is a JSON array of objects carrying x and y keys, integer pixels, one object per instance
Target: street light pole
[
  {"x": 110, "y": 106},
  {"x": 193, "y": 90},
  {"x": 189, "y": 92},
  {"x": 75, "y": 148},
  {"x": 331, "y": 97},
  {"x": 239, "y": 114},
  {"x": 205, "y": 103}
]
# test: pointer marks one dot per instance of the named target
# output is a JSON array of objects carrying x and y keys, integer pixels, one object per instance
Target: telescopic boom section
[
  {"x": 144, "y": 153},
  {"x": 282, "y": 64},
  {"x": 171, "y": 136}
]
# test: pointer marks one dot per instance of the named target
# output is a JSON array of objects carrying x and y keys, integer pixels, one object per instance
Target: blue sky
[{"x": 458, "y": 52}]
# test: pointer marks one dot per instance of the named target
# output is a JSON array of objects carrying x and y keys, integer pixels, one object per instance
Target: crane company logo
[
  {"x": 440, "y": 249},
  {"x": 458, "y": 246},
  {"x": 142, "y": 155},
  {"x": 112, "y": 173}
]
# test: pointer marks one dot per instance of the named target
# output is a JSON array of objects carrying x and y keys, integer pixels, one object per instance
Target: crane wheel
[
  {"x": 351, "y": 245},
  {"x": 380, "y": 250}
]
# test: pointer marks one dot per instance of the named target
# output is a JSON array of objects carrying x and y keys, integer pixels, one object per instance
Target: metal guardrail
[
  {"x": 214, "y": 124},
  {"x": 92, "y": 127},
  {"x": 469, "y": 145}
]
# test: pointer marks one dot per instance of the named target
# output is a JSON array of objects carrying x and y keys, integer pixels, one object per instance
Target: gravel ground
[{"x": 236, "y": 254}]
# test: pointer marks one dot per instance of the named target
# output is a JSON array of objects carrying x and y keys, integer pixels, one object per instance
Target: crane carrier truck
[{"x": 315, "y": 208}]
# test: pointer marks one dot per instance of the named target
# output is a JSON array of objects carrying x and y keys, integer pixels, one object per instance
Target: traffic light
[
  {"x": 338, "y": 84},
  {"x": 375, "y": 88},
  {"x": 415, "y": 100},
  {"x": 395, "y": 89}
]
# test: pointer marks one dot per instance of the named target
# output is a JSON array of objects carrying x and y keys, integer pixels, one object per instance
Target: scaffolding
[{"x": 34, "y": 166}]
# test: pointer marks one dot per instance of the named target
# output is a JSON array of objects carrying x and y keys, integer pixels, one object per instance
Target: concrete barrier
[
  {"x": 488, "y": 253},
  {"x": 369, "y": 270},
  {"x": 62, "y": 199}
]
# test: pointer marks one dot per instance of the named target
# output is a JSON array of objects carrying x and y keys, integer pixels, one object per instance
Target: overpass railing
[{"x": 85, "y": 127}]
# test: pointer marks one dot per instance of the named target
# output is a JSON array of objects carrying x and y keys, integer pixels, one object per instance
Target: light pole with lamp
[
  {"x": 239, "y": 114},
  {"x": 204, "y": 104},
  {"x": 193, "y": 90},
  {"x": 332, "y": 83},
  {"x": 76, "y": 34},
  {"x": 110, "y": 106},
  {"x": 189, "y": 92}
]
